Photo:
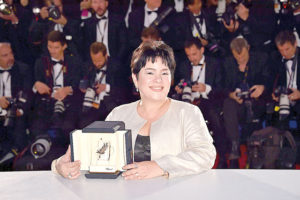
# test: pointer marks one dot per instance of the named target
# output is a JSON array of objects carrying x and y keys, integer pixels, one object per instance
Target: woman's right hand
[{"x": 66, "y": 168}]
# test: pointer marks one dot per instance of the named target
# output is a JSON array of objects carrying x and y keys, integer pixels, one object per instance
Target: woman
[{"x": 170, "y": 137}]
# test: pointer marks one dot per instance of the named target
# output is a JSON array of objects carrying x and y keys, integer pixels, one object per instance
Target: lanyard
[
  {"x": 58, "y": 75},
  {"x": 245, "y": 75},
  {"x": 200, "y": 72},
  {"x": 99, "y": 30}
]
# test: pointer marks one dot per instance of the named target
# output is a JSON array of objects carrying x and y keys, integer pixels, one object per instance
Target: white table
[{"x": 214, "y": 184}]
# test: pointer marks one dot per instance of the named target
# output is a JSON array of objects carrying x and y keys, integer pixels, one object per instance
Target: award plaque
[{"x": 103, "y": 148}]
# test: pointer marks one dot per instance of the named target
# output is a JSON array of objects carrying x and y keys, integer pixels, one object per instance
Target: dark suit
[
  {"x": 210, "y": 107},
  {"x": 114, "y": 98},
  {"x": 117, "y": 36},
  {"x": 44, "y": 104},
  {"x": 15, "y": 136},
  {"x": 258, "y": 28},
  {"x": 234, "y": 113}
]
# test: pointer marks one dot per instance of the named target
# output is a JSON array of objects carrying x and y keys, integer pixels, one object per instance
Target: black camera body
[
  {"x": 14, "y": 104},
  {"x": 244, "y": 93},
  {"x": 230, "y": 13},
  {"x": 53, "y": 11}
]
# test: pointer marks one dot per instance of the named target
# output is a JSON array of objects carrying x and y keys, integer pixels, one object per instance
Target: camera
[
  {"x": 244, "y": 93},
  {"x": 53, "y": 11},
  {"x": 213, "y": 43},
  {"x": 186, "y": 86},
  {"x": 230, "y": 13},
  {"x": 89, "y": 97},
  {"x": 284, "y": 102},
  {"x": 41, "y": 146},
  {"x": 5, "y": 9},
  {"x": 11, "y": 112}
]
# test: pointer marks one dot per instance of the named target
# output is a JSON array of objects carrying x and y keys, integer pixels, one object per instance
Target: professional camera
[
  {"x": 53, "y": 11},
  {"x": 89, "y": 97},
  {"x": 41, "y": 146},
  {"x": 230, "y": 13},
  {"x": 11, "y": 112},
  {"x": 213, "y": 43},
  {"x": 284, "y": 102},
  {"x": 244, "y": 93},
  {"x": 5, "y": 9},
  {"x": 186, "y": 86}
]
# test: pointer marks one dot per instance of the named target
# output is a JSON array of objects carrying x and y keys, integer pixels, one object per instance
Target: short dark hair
[
  {"x": 191, "y": 2},
  {"x": 151, "y": 32},
  {"x": 237, "y": 44},
  {"x": 149, "y": 51},
  {"x": 56, "y": 36},
  {"x": 285, "y": 36},
  {"x": 97, "y": 47},
  {"x": 193, "y": 41}
]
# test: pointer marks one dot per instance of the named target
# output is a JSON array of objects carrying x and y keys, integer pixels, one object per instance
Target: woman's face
[{"x": 153, "y": 81}]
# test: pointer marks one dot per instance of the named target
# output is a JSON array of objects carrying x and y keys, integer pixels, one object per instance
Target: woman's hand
[
  {"x": 66, "y": 168},
  {"x": 142, "y": 170}
]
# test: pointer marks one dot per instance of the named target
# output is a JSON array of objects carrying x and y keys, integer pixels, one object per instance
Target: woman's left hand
[{"x": 142, "y": 170}]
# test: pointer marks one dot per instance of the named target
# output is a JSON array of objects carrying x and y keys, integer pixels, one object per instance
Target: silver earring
[{"x": 137, "y": 89}]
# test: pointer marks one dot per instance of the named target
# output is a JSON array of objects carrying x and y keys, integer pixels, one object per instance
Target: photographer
[
  {"x": 15, "y": 87},
  {"x": 204, "y": 73},
  {"x": 103, "y": 91},
  {"x": 56, "y": 82},
  {"x": 202, "y": 25},
  {"x": 106, "y": 27},
  {"x": 287, "y": 74},
  {"x": 14, "y": 24},
  {"x": 53, "y": 16},
  {"x": 246, "y": 75},
  {"x": 249, "y": 18}
]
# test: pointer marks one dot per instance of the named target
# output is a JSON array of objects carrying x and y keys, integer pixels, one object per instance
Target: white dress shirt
[
  {"x": 290, "y": 75},
  {"x": 149, "y": 18},
  {"x": 198, "y": 76},
  {"x": 5, "y": 83},
  {"x": 202, "y": 28},
  {"x": 102, "y": 94}
]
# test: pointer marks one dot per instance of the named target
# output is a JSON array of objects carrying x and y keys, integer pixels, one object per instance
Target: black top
[{"x": 142, "y": 148}]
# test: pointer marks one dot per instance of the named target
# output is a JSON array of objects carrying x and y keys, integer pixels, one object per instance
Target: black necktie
[
  {"x": 151, "y": 11},
  {"x": 57, "y": 62}
]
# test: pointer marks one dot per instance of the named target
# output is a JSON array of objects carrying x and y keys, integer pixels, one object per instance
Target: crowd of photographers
[{"x": 65, "y": 64}]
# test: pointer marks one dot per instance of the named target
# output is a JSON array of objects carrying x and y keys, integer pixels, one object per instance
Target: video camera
[
  {"x": 10, "y": 113},
  {"x": 5, "y": 9}
]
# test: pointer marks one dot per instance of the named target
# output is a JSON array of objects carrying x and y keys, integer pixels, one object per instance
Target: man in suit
[
  {"x": 143, "y": 17},
  {"x": 245, "y": 72},
  {"x": 66, "y": 24},
  {"x": 103, "y": 91},
  {"x": 14, "y": 29},
  {"x": 106, "y": 27},
  {"x": 199, "y": 24},
  {"x": 287, "y": 72},
  {"x": 56, "y": 81},
  {"x": 15, "y": 84},
  {"x": 205, "y": 75}
]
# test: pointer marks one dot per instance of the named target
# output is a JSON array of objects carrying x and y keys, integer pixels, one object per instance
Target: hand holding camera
[
  {"x": 100, "y": 88},
  {"x": 256, "y": 91},
  {"x": 295, "y": 95},
  {"x": 233, "y": 25},
  {"x": 42, "y": 88},
  {"x": 61, "y": 93},
  {"x": 198, "y": 87},
  {"x": 233, "y": 95},
  {"x": 4, "y": 103}
]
